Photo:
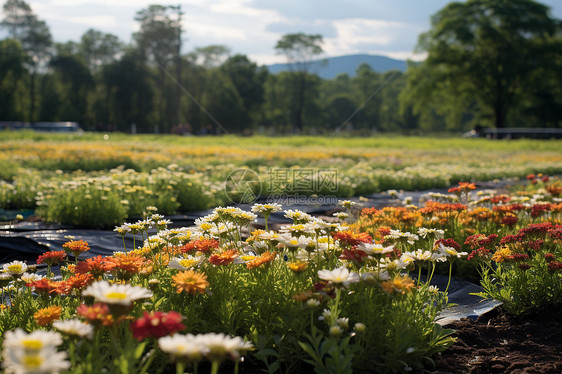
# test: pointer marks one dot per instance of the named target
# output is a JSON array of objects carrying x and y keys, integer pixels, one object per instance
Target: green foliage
[{"x": 482, "y": 57}]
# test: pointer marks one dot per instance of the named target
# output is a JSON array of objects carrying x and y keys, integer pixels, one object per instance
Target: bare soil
[{"x": 498, "y": 343}]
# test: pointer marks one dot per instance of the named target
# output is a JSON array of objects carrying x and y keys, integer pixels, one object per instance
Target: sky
[{"x": 253, "y": 27}]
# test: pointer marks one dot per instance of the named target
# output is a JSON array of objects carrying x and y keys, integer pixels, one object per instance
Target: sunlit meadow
[{"x": 350, "y": 293}]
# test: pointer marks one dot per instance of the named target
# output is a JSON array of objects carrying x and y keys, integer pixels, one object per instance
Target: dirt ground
[{"x": 497, "y": 343}]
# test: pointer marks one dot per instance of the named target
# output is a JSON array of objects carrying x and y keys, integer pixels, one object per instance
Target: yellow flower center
[
  {"x": 16, "y": 268},
  {"x": 116, "y": 295},
  {"x": 32, "y": 361},
  {"x": 187, "y": 262},
  {"x": 34, "y": 344}
]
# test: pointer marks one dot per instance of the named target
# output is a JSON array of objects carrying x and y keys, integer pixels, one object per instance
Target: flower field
[
  {"x": 352, "y": 293},
  {"x": 94, "y": 181}
]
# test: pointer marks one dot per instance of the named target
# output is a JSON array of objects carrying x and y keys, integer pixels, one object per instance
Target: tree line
[{"x": 491, "y": 63}]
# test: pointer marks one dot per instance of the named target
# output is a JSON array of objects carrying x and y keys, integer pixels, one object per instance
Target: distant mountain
[{"x": 329, "y": 68}]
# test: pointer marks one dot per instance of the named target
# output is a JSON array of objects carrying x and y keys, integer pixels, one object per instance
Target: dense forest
[{"x": 489, "y": 63}]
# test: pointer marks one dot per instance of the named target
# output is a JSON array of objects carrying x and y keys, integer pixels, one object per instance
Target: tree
[
  {"x": 159, "y": 41},
  {"x": 482, "y": 53},
  {"x": 249, "y": 81},
  {"x": 11, "y": 75},
  {"x": 99, "y": 49},
  {"x": 35, "y": 38},
  {"x": 299, "y": 49},
  {"x": 129, "y": 92},
  {"x": 212, "y": 55}
]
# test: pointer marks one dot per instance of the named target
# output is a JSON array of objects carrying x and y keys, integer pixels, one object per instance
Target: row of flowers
[{"x": 349, "y": 294}]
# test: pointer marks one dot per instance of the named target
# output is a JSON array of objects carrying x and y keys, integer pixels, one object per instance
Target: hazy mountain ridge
[{"x": 330, "y": 67}]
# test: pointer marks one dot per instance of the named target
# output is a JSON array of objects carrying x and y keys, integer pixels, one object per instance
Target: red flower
[
  {"x": 519, "y": 257},
  {"x": 479, "y": 253},
  {"x": 539, "y": 229},
  {"x": 51, "y": 258},
  {"x": 448, "y": 243},
  {"x": 156, "y": 325},
  {"x": 355, "y": 255},
  {"x": 509, "y": 220},
  {"x": 538, "y": 209},
  {"x": 549, "y": 257},
  {"x": 554, "y": 266}
]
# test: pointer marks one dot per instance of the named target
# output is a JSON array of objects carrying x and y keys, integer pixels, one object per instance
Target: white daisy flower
[
  {"x": 47, "y": 361},
  {"x": 222, "y": 346},
  {"x": 35, "y": 340},
  {"x": 183, "y": 346},
  {"x": 339, "y": 277},
  {"x": 15, "y": 267},
  {"x": 116, "y": 294},
  {"x": 31, "y": 277},
  {"x": 75, "y": 328},
  {"x": 266, "y": 208},
  {"x": 375, "y": 249}
]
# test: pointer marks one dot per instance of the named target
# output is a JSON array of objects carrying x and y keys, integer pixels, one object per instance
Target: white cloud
[
  {"x": 204, "y": 29},
  {"x": 353, "y": 34},
  {"x": 241, "y": 8}
]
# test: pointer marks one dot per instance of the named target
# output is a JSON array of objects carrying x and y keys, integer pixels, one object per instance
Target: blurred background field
[{"x": 99, "y": 180}]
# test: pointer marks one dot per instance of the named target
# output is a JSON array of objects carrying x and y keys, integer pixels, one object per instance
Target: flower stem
[
  {"x": 215, "y": 367},
  {"x": 180, "y": 366},
  {"x": 450, "y": 272}
]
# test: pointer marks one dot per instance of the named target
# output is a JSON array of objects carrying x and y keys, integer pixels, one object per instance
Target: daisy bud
[
  {"x": 359, "y": 328},
  {"x": 335, "y": 331}
]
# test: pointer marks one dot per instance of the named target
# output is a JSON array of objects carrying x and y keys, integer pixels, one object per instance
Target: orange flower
[
  {"x": 400, "y": 284},
  {"x": 351, "y": 238},
  {"x": 201, "y": 245},
  {"x": 79, "y": 281},
  {"x": 223, "y": 258},
  {"x": 297, "y": 266},
  {"x": 129, "y": 263},
  {"x": 265, "y": 258},
  {"x": 97, "y": 314},
  {"x": 51, "y": 258},
  {"x": 462, "y": 187},
  {"x": 97, "y": 266},
  {"x": 47, "y": 315},
  {"x": 76, "y": 247},
  {"x": 46, "y": 286},
  {"x": 190, "y": 282}
]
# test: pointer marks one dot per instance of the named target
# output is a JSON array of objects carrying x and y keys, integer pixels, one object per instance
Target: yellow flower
[
  {"x": 502, "y": 254},
  {"x": 297, "y": 266}
]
